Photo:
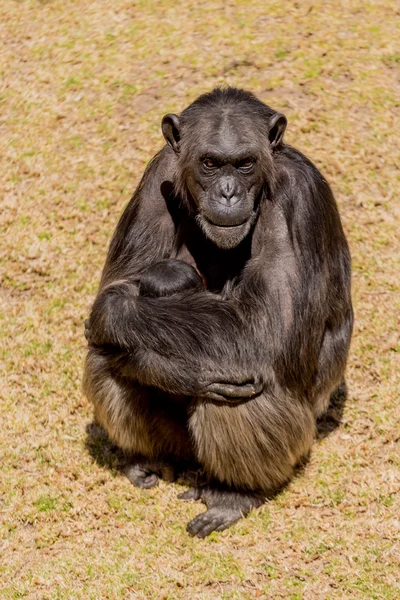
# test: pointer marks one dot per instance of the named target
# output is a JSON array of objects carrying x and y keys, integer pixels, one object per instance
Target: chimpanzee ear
[
  {"x": 170, "y": 129},
  {"x": 277, "y": 125}
]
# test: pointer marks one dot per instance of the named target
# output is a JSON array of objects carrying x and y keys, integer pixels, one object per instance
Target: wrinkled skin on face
[
  {"x": 224, "y": 165},
  {"x": 225, "y": 181}
]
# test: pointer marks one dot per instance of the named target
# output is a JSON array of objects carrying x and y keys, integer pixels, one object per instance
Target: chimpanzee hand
[
  {"x": 232, "y": 392},
  {"x": 88, "y": 331}
]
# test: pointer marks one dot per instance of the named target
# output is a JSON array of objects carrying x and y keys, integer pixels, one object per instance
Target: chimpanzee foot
[
  {"x": 215, "y": 519},
  {"x": 146, "y": 474},
  {"x": 140, "y": 476},
  {"x": 224, "y": 509},
  {"x": 191, "y": 494}
]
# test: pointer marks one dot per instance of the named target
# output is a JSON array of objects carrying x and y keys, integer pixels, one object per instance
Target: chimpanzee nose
[{"x": 228, "y": 191}]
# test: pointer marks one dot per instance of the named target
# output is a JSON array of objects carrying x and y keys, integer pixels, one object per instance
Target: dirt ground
[{"x": 84, "y": 85}]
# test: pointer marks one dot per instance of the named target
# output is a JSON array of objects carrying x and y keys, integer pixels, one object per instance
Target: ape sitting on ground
[{"x": 232, "y": 376}]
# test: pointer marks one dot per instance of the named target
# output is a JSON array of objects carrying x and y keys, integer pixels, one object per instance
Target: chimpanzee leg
[
  {"x": 247, "y": 451},
  {"x": 149, "y": 425}
]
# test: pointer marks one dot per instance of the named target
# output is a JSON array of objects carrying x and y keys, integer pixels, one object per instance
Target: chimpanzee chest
[{"x": 215, "y": 265}]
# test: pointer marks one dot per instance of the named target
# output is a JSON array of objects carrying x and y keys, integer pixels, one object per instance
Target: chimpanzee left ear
[{"x": 277, "y": 125}]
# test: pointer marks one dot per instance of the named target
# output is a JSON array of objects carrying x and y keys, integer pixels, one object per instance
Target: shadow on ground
[{"x": 102, "y": 449}]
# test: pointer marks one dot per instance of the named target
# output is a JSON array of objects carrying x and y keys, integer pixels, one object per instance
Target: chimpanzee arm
[
  {"x": 182, "y": 344},
  {"x": 146, "y": 230}
]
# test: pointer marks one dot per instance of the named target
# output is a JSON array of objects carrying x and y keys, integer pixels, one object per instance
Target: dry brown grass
[{"x": 84, "y": 86}]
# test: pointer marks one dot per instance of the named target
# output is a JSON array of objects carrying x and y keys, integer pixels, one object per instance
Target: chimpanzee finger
[{"x": 234, "y": 391}]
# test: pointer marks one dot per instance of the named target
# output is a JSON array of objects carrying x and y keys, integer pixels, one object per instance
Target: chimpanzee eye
[
  {"x": 246, "y": 165},
  {"x": 209, "y": 163}
]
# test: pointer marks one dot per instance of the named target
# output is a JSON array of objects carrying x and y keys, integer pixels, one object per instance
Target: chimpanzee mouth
[
  {"x": 223, "y": 226},
  {"x": 225, "y": 236}
]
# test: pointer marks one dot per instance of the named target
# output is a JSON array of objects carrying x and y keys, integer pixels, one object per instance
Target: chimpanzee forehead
[{"x": 228, "y": 135}]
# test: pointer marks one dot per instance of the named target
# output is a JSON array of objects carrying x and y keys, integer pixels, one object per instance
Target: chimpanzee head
[
  {"x": 169, "y": 276},
  {"x": 225, "y": 143}
]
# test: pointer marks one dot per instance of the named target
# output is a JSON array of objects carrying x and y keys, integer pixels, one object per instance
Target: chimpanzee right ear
[
  {"x": 170, "y": 129},
  {"x": 276, "y": 129}
]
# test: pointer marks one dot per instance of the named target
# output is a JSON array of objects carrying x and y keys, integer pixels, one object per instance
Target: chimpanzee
[{"x": 232, "y": 376}]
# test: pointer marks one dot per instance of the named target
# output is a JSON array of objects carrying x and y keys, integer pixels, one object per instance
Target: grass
[{"x": 84, "y": 87}]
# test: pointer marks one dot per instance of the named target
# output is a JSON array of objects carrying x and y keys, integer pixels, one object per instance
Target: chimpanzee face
[{"x": 223, "y": 160}]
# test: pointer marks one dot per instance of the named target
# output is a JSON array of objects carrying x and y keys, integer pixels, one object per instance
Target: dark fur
[{"x": 232, "y": 377}]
